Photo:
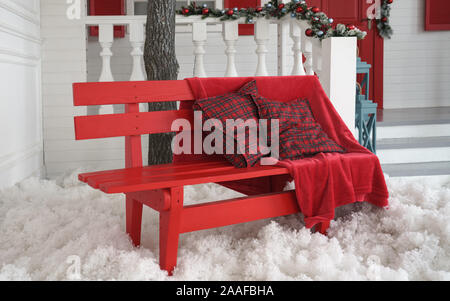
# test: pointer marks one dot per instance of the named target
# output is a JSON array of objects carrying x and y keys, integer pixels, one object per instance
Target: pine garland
[
  {"x": 321, "y": 26},
  {"x": 384, "y": 28}
]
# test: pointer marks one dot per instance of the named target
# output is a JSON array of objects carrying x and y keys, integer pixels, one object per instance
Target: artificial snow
[{"x": 64, "y": 230}]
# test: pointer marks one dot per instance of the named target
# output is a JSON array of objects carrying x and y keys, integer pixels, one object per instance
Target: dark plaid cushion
[
  {"x": 234, "y": 106},
  {"x": 300, "y": 134}
]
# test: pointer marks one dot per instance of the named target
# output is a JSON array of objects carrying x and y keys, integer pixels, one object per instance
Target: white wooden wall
[
  {"x": 21, "y": 153},
  {"x": 64, "y": 62},
  {"x": 417, "y": 62}
]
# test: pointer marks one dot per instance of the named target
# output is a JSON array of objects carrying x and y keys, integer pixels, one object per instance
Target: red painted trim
[{"x": 429, "y": 24}]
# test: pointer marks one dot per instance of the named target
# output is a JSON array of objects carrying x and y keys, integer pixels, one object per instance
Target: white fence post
[
  {"x": 137, "y": 42},
  {"x": 296, "y": 35},
  {"x": 106, "y": 39},
  {"x": 338, "y": 76},
  {"x": 282, "y": 49},
  {"x": 308, "y": 52},
  {"x": 230, "y": 36},
  {"x": 199, "y": 36},
  {"x": 262, "y": 28}
]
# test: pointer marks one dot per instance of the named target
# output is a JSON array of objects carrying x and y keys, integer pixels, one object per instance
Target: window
[{"x": 437, "y": 16}]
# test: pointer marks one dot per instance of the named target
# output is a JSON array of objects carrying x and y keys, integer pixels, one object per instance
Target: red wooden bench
[{"x": 161, "y": 187}]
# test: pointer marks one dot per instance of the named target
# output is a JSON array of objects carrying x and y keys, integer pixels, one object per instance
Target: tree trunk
[{"x": 160, "y": 64}]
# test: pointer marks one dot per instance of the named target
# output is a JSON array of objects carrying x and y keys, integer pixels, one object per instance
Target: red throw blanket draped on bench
[{"x": 323, "y": 182}]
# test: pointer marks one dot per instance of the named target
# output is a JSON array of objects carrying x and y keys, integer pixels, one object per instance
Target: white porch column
[{"x": 338, "y": 76}]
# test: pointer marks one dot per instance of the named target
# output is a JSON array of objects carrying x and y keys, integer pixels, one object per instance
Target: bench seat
[{"x": 173, "y": 175}]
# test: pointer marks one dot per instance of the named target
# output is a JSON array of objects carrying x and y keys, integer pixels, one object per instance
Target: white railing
[{"x": 333, "y": 60}]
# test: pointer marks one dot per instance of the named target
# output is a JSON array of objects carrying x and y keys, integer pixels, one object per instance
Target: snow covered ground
[{"x": 62, "y": 229}]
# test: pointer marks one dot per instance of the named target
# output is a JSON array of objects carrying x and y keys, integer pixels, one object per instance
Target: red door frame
[{"x": 378, "y": 71}]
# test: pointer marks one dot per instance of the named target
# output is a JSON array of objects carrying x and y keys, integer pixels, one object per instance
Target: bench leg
[
  {"x": 134, "y": 220},
  {"x": 169, "y": 231},
  {"x": 323, "y": 227}
]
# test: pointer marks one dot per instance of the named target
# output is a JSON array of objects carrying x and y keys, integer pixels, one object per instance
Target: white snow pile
[{"x": 64, "y": 230}]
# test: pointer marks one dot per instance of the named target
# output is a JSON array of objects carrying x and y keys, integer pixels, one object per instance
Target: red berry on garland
[
  {"x": 390, "y": 1},
  {"x": 309, "y": 32},
  {"x": 205, "y": 11},
  {"x": 315, "y": 9},
  {"x": 299, "y": 9},
  {"x": 351, "y": 27},
  {"x": 384, "y": 19},
  {"x": 230, "y": 12},
  {"x": 185, "y": 11},
  {"x": 281, "y": 6}
]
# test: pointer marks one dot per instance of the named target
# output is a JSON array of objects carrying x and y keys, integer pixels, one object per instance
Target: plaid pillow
[
  {"x": 300, "y": 134},
  {"x": 234, "y": 106}
]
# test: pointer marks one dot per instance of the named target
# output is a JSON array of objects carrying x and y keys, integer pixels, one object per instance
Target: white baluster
[
  {"x": 307, "y": 51},
  {"x": 199, "y": 36},
  {"x": 296, "y": 35},
  {"x": 137, "y": 42},
  {"x": 106, "y": 39},
  {"x": 282, "y": 47},
  {"x": 317, "y": 53},
  {"x": 230, "y": 36},
  {"x": 262, "y": 27}
]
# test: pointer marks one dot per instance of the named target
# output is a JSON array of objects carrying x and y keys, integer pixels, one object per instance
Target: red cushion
[
  {"x": 300, "y": 134},
  {"x": 236, "y": 105}
]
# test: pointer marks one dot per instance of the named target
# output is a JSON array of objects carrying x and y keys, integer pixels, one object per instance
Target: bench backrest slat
[
  {"x": 128, "y": 124},
  {"x": 108, "y": 93},
  {"x": 132, "y": 122}
]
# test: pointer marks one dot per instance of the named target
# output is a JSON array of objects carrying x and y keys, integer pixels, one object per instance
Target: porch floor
[
  {"x": 414, "y": 142},
  {"x": 437, "y": 115}
]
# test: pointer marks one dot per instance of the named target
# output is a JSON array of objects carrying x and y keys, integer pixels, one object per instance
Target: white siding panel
[
  {"x": 21, "y": 139},
  {"x": 416, "y": 62}
]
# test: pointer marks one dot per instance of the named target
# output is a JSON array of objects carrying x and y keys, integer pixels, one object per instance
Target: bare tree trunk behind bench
[{"x": 160, "y": 64}]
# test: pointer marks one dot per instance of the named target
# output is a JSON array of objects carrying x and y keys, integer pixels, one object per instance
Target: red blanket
[{"x": 323, "y": 182}]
